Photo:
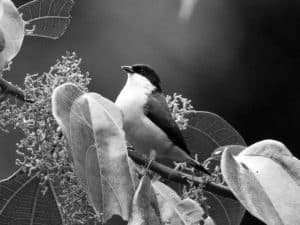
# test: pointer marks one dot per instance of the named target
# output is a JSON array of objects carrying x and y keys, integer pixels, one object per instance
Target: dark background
[{"x": 239, "y": 59}]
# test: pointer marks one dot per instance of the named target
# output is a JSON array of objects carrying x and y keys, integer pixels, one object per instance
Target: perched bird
[{"x": 148, "y": 122}]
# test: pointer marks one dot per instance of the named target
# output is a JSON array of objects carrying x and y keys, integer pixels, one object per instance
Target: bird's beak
[{"x": 127, "y": 69}]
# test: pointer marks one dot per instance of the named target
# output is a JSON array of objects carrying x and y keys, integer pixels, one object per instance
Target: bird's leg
[
  {"x": 146, "y": 169},
  {"x": 151, "y": 158}
]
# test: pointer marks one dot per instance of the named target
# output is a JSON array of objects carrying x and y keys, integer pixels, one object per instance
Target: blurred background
[{"x": 239, "y": 59}]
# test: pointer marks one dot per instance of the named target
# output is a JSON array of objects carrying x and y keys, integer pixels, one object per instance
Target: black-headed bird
[{"x": 148, "y": 122}]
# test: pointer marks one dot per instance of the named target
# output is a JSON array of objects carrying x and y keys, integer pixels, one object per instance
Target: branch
[
  {"x": 8, "y": 89},
  {"x": 180, "y": 177}
]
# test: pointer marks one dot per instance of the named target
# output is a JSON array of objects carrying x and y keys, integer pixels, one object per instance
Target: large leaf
[
  {"x": 204, "y": 134},
  {"x": 265, "y": 177},
  {"x": 175, "y": 211},
  {"x": 48, "y": 18},
  {"x": 22, "y": 201},
  {"x": 207, "y": 131},
  {"x": 100, "y": 155},
  {"x": 145, "y": 209},
  {"x": 96, "y": 134},
  {"x": 12, "y": 32}
]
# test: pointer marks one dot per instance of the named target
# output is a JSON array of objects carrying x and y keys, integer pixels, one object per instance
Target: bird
[{"x": 147, "y": 120}]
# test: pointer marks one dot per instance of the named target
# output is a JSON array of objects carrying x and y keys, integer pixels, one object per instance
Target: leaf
[
  {"x": 94, "y": 185},
  {"x": 100, "y": 155},
  {"x": 205, "y": 133},
  {"x": 62, "y": 100},
  {"x": 167, "y": 199},
  {"x": 175, "y": 211},
  {"x": 224, "y": 211},
  {"x": 49, "y": 18},
  {"x": 265, "y": 179},
  {"x": 22, "y": 201},
  {"x": 79, "y": 131},
  {"x": 145, "y": 209},
  {"x": 12, "y": 31},
  {"x": 235, "y": 150}
]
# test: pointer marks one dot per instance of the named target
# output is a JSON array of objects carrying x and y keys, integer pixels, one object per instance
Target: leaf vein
[{"x": 16, "y": 192}]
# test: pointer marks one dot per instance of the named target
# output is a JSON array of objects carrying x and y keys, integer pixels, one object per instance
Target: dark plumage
[{"x": 158, "y": 112}]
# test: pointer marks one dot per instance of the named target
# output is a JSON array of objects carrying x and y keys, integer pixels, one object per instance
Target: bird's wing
[{"x": 157, "y": 110}]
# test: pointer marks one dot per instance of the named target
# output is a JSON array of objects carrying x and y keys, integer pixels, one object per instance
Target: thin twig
[
  {"x": 180, "y": 177},
  {"x": 8, "y": 89}
]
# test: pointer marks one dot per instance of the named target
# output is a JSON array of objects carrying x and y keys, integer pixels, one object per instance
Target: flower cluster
[
  {"x": 42, "y": 147},
  {"x": 179, "y": 107}
]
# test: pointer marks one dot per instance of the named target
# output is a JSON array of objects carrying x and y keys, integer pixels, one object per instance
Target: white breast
[
  {"x": 140, "y": 131},
  {"x": 133, "y": 97}
]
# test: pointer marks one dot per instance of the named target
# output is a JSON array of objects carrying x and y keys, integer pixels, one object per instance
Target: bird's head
[{"x": 141, "y": 70}]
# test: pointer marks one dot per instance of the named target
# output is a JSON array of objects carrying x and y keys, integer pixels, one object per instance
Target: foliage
[
  {"x": 12, "y": 32},
  {"x": 23, "y": 201},
  {"x": 205, "y": 133},
  {"x": 48, "y": 18},
  {"x": 40, "y": 18},
  {"x": 93, "y": 127},
  {"x": 265, "y": 179},
  {"x": 42, "y": 147}
]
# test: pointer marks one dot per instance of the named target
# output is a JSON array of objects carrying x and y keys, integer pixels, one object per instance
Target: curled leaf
[
  {"x": 265, "y": 179},
  {"x": 175, "y": 211},
  {"x": 145, "y": 209},
  {"x": 12, "y": 32},
  {"x": 47, "y": 18},
  {"x": 22, "y": 201}
]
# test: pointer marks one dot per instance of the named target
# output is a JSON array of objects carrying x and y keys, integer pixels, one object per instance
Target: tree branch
[
  {"x": 180, "y": 177},
  {"x": 8, "y": 89}
]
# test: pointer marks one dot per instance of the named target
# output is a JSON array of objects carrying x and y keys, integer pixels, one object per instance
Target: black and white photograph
[{"x": 149, "y": 112}]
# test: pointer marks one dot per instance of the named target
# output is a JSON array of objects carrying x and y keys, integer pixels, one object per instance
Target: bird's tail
[{"x": 198, "y": 167}]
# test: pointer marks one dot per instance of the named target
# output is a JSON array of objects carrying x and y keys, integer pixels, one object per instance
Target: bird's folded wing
[{"x": 158, "y": 112}]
